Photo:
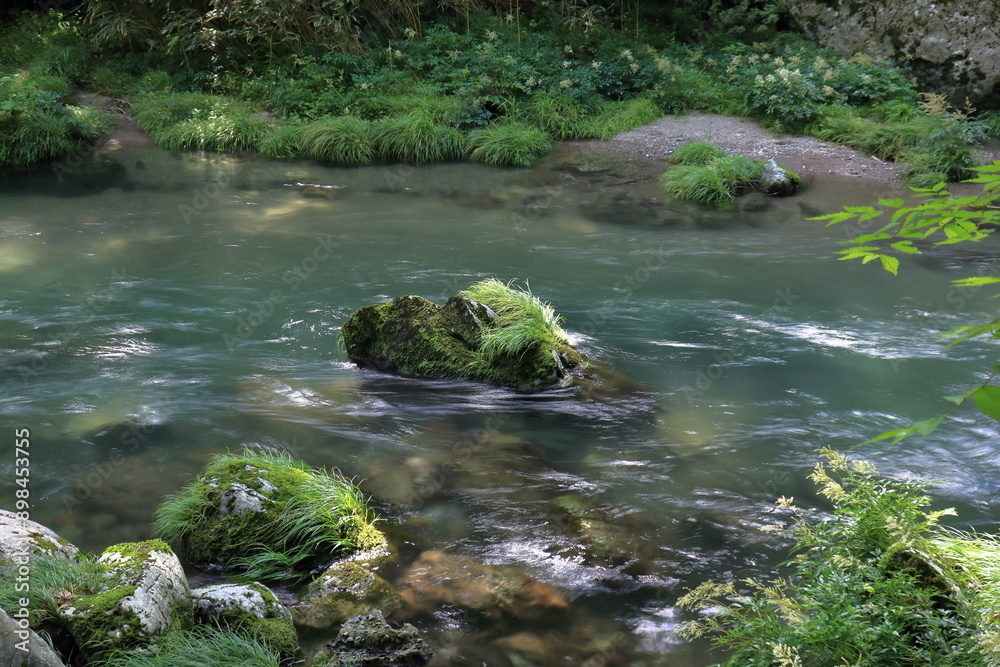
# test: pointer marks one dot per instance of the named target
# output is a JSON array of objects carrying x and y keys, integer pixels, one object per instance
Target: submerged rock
[
  {"x": 414, "y": 337},
  {"x": 775, "y": 179},
  {"x": 368, "y": 641},
  {"x": 144, "y": 595},
  {"x": 438, "y": 578},
  {"x": 343, "y": 591},
  {"x": 18, "y": 536},
  {"x": 606, "y": 536},
  {"x": 250, "y": 609}
]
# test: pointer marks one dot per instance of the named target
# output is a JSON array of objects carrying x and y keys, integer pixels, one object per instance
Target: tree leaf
[
  {"x": 987, "y": 399},
  {"x": 975, "y": 282},
  {"x": 890, "y": 263}
]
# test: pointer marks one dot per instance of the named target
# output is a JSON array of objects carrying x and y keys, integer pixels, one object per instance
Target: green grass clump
[
  {"x": 558, "y": 116},
  {"x": 281, "y": 141},
  {"x": 618, "y": 117},
  {"x": 877, "y": 583},
  {"x": 344, "y": 140},
  {"x": 53, "y": 580},
  {"x": 312, "y": 515},
  {"x": 698, "y": 153},
  {"x": 524, "y": 323},
  {"x": 738, "y": 173},
  {"x": 198, "y": 121},
  {"x": 201, "y": 646},
  {"x": 417, "y": 137},
  {"x": 695, "y": 183},
  {"x": 508, "y": 144}
]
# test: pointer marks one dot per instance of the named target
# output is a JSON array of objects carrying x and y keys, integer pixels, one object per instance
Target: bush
[
  {"x": 508, "y": 144},
  {"x": 704, "y": 173},
  {"x": 877, "y": 584},
  {"x": 198, "y": 121}
]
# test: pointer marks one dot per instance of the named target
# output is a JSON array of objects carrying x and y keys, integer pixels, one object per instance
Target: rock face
[
  {"x": 343, "y": 591},
  {"x": 21, "y": 647},
  {"x": 414, "y": 337},
  {"x": 952, "y": 46},
  {"x": 368, "y": 641},
  {"x": 250, "y": 609},
  {"x": 144, "y": 596},
  {"x": 17, "y": 536}
]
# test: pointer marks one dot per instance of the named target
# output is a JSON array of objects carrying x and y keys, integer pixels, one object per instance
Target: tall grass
[
  {"x": 508, "y": 144},
  {"x": 618, "y": 117},
  {"x": 695, "y": 183},
  {"x": 197, "y": 121},
  {"x": 345, "y": 140},
  {"x": 524, "y": 322},
  {"x": 198, "y": 647},
  {"x": 54, "y": 580},
  {"x": 561, "y": 117},
  {"x": 698, "y": 153},
  {"x": 417, "y": 137}
]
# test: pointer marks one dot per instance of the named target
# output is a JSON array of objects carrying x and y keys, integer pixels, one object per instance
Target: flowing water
[{"x": 157, "y": 307}]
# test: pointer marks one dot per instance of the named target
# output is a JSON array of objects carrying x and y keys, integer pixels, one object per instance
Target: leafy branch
[{"x": 958, "y": 219}]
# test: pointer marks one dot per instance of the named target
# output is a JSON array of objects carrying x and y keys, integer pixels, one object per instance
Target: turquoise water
[{"x": 158, "y": 307}]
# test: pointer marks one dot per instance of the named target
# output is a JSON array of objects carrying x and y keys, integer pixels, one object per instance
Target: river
[{"x": 157, "y": 307}]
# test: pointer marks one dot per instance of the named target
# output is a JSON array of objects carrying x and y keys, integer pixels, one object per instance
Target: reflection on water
[{"x": 158, "y": 307}]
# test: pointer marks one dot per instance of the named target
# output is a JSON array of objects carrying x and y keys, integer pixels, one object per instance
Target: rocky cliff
[{"x": 951, "y": 46}]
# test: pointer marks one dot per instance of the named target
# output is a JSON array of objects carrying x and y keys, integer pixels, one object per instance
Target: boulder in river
[
  {"x": 18, "y": 536},
  {"x": 775, "y": 179},
  {"x": 368, "y": 641},
  {"x": 143, "y": 596},
  {"x": 491, "y": 332},
  {"x": 343, "y": 591},
  {"x": 268, "y": 513},
  {"x": 250, "y": 609}
]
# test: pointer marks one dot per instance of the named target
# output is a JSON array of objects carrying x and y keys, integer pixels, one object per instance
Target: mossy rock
[
  {"x": 413, "y": 337},
  {"x": 777, "y": 179},
  {"x": 343, "y": 591},
  {"x": 251, "y": 610},
  {"x": 606, "y": 536},
  {"x": 251, "y": 505},
  {"x": 368, "y": 641},
  {"x": 144, "y": 596},
  {"x": 18, "y": 536}
]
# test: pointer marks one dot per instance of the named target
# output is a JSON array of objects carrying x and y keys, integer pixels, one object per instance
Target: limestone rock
[
  {"x": 144, "y": 596},
  {"x": 952, "y": 46},
  {"x": 777, "y": 180},
  {"x": 343, "y": 591},
  {"x": 368, "y": 641},
  {"x": 17, "y": 536},
  {"x": 21, "y": 647},
  {"x": 248, "y": 608}
]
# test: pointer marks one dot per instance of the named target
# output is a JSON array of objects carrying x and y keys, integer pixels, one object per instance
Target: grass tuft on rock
[
  {"x": 697, "y": 153},
  {"x": 310, "y": 514},
  {"x": 53, "y": 580},
  {"x": 705, "y": 174},
  {"x": 508, "y": 144}
]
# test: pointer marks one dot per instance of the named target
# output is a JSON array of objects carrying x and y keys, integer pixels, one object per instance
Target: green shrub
[
  {"x": 697, "y": 153},
  {"x": 196, "y": 121},
  {"x": 559, "y": 116},
  {"x": 282, "y": 141},
  {"x": 877, "y": 584},
  {"x": 416, "y": 137},
  {"x": 345, "y": 140},
  {"x": 508, "y": 144}
]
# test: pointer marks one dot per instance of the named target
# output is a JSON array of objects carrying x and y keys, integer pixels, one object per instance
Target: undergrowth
[{"x": 877, "y": 583}]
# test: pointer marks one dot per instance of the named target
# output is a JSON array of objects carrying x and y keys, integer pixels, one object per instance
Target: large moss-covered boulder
[
  {"x": 491, "y": 332},
  {"x": 144, "y": 596},
  {"x": 268, "y": 514},
  {"x": 248, "y": 609}
]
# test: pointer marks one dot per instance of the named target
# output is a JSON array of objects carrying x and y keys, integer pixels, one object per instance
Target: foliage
[
  {"x": 344, "y": 140},
  {"x": 946, "y": 219},
  {"x": 508, "y": 144},
  {"x": 203, "y": 645},
  {"x": 322, "y": 514},
  {"x": 618, "y": 117},
  {"x": 704, "y": 173},
  {"x": 200, "y": 121},
  {"x": 36, "y": 125},
  {"x": 876, "y": 584},
  {"x": 524, "y": 324}
]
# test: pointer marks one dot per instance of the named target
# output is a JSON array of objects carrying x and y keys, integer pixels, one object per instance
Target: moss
[{"x": 98, "y": 615}]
